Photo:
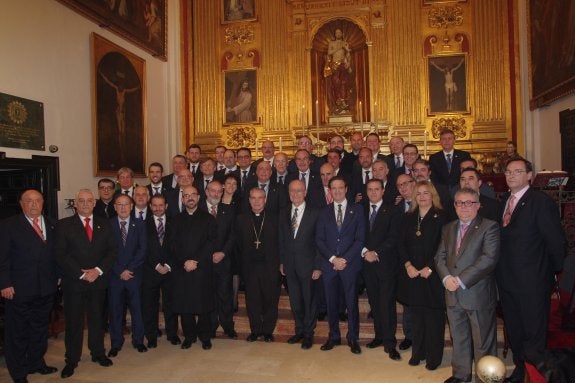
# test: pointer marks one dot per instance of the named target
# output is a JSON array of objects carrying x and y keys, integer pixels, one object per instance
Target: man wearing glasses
[
  {"x": 532, "y": 250},
  {"x": 465, "y": 261},
  {"x": 104, "y": 206}
]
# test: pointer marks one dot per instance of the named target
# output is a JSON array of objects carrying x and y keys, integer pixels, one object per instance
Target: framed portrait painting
[
  {"x": 447, "y": 84},
  {"x": 238, "y": 10},
  {"x": 143, "y": 22},
  {"x": 118, "y": 113},
  {"x": 241, "y": 97}
]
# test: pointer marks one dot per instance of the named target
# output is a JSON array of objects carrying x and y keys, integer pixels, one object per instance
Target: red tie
[
  {"x": 462, "y": 231},
  {"x": 88, "y": 228},
  {"x": 509, "y": 210},
  {"x": 328, "y": 197},
  {"x": 37, "y": 228}
]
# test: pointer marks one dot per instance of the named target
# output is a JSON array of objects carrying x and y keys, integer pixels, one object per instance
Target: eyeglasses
[
  {"x": 515, "y": 172},
  {"x": 464, "y": 203},
  {"x": 106, "y": 188}
]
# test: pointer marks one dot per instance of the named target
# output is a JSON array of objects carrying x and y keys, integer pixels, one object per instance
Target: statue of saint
[{"x": 339, "y": 74}]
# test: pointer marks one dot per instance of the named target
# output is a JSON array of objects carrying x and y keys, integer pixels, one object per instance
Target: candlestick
[
  {"x": 375, "y": 115},
  {"x": 317, "y": 113},
  {"x": 409, "y": 137},
  {"x": 302, "y": 120},
  {"x": 425, "y": 144},
  {"x": 361, "y": 118},
  {"x": 256, "y": 154},
  {"x": 281, "y": 145}
]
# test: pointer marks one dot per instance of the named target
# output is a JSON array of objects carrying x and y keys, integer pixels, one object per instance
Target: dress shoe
[
  {"x": 321, "y": 316},
  {"x": 330, "y": 344},
  {"x": 187, "y": 343},
  {"x": 67, "y": 371},
  {"x": 453, "y": 379},
  {"x": 431, "y": 367},
  {"x": 175, "y": 340},
  {"x": 102, "y": 361},
  {"x": 295, "y": 339},
  {"x": 252, "y": 337},
  {"x": 44, "y": 370},
  {"x": 232, "y": 334},
  {"x": 152, "y": 343},
  {"x": 374, "y": 343},
  {"x": 342, "y": 317},
  {"x": 213, "y": 334},
  {"x": 405, "y": 344},
  {"x": 306, "y": 343},
  {"x": 393, "y": 354},
  {"x": 206, "y": 344},
  {"x": 21, "y": 380},
  {"x": 354, "y": 347},
  {"x": 413, "y": 362},
  {"x": 140, "y": 347},
  {"x": 112, "y": 353},
  {"x": 268, "y": 338}
]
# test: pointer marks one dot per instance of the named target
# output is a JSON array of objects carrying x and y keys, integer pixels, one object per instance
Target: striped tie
[
  {"x": 161, "y": 231},
  {"x": 294, "y": 222},
  {"x": 123, "y": 231}
]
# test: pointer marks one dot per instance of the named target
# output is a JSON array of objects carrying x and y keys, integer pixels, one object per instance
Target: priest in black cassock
[
  {"x": 193, "y": 243},
  {"x": 257, "y": 236}
]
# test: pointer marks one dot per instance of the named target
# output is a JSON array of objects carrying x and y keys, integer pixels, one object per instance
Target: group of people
[{"x": 428, "y": 234}]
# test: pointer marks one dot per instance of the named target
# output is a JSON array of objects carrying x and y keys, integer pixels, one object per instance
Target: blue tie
[
  {"x": 448, "y": 162},
  {"x": 372, "y": 216}
]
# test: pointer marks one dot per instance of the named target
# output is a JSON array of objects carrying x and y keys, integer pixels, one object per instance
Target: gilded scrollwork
[
  {"x": 444, "y": 17},
  {"x": 239, "y": 136},
  {"x": 239, "y": 34},
  {"x": 456, "y": 124}
]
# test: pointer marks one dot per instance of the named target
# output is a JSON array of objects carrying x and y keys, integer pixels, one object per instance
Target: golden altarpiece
[{"x": 320, "y": 67}]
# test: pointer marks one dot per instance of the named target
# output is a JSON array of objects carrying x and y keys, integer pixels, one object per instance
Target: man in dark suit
[
  {"x": 156, "y": 186},
  {"x": 193, "y": 243},
  {"x": 485, "y": 189},
  {"x": 300, "y": 262},
  {"x": 422, "y": 172},
  {"x": 222, "y": 259},
  {"x": 157, "y": 275},
  {"x": 194, "y": 154},
  {"x": 489, "y": 208},
  {"x": 361, "y": 174},
  {"x": 230, "y": 167},
  {"x": 310, "y": 179},
  {"x": 208, "y": 168},
  {"x": 126, "y": 275},
  {"x": 276, "y": 196},
  {"x": 174, "y": 197},
  {"x": 465, "y": 261},
  {"x": 304, "y": 142},
  {"x": 380, "y": 267},
  {"x": 280, "y": 169},
  {"x": 179, "y": 163},
  {"x": 345, "y": 160},
  {"x": 126, "y": 182},
  {"x": 532, "y": 250},
  {"x": 257, "y": 236},
  {"x": 246, "y": 174},
  {"x": 445, "y": 163},
  {"x": 381, "y": 172},
  {"x": 333, "y": 157},
  {"x": 395, "y": 158},
  {"x": 340, "y": 236},
  {"x": 105, "y": 204},
  {"x": 268, "y": 154},
  {"x": 85, "y": 250},
  {"x": 141, "y": 208},
  {"x": 28, "y": 281},
  {"x": 410, "y": 155}
]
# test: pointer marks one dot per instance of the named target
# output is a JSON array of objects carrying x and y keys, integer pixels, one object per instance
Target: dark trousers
[
  {"x": 348, "y": 282},
  {"x": 120, "y": 292},
  {"x": 224, "y": 313},
  {"x": 26, "y": 333},
  {"x": 428, "y": 334},
  {"x": 262, "y": 297},
  {"x": 194, "y": 329},
  {"x": 321, "y": 300},
  {"x": 526, "y": 318},
  {"x": 381, "y": 291},
  {"x": 151, "y": 290},
  {"x": 406, "y": 322},
  {"x": 303, "y": 303},
  {"x": 75, "y": 303}
]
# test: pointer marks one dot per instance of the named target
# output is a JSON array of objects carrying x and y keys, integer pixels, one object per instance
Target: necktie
[
  {"x": 213, "y": 211},
  {"x": 37, "y": 228},
  {"x": 194, "y": 169},
  {"x": 207, "y": 182},
  {"x": 156, "y": 190},
  {"x": 448, "y": 162},
  {"x": 88, "y": 228},
  {"x": 407, "y": 206},
  {"x": 141, "y": 214},
  {"x": 339, "y": 218},
  {"x": 161, "y": 230},
  {"x": 263, "y": 186},
  {"x": 462, "y": 230},
  {"x": 328, "y": 197},
  {"x": 106, "y": 210},
  {"x": 123, "y": 232},
  {"x": 509, "y": 210},
  {"x": 366, "y": 176},
  {"x": 244, "y": 177},
  {"x": 372, "y": 216},
  {"x": 302, "y": 178},
  {"x": 411, "y": 172},
  {"x": 397, "y": 162},
  {"x": 126, "y": 192},
  {"x": 294, "y": 222},
  {"x": 281, "y": 180},
  {"x": 180, "y": 203}
]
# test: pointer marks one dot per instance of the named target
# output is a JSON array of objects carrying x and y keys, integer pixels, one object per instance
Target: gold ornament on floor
[{"x": 490, "y": 369}]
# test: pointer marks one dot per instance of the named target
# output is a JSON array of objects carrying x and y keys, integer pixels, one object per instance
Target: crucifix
[{"x": 257, "y": 242}]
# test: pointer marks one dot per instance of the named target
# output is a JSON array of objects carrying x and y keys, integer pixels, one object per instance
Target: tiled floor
[{"x": 239, "y": 361}]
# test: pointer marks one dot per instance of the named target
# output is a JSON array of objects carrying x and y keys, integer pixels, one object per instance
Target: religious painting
[
  {"x": 143, "y": 22},
  {"x": 241, "y": 96},
  {"x": 552, "y": 50},
  {"x": 238, "y": 10},
  {"x": 118, "y": 113},
  {"x": 447, "y": 84}
]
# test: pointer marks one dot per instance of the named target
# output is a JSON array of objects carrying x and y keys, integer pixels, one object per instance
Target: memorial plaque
[{"x": 21, "y": 123}]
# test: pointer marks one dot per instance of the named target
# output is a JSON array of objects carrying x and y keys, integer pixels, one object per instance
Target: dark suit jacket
[
  {"x": 156, "y": 252},
  {"x": 346, "y": 242},
  {"x": 245, "y": 237},
  {"x": 173, "y": 201},
  {"x": 474, "y": 263},
  {"x": 276, "y": 199},
  {"x": 314, "y": 184},
  {"x": 383, "y": 237},
  {"x": 299, "y": 255},
  {"x": 533, "y": 245},
  {"x": 27, "y": 262},
  {"x": 167, "y": 181},
  {"x": 131, "y": 255},
  {"x": 163, "y": 190},
  {"x": 103, "y": 210},
  {"x": 315, "y": 164},
  {"x": 390, "y": 159},
  {"x": 439, "y": 172},
  {"x": 75, "y": 252},
  {"x": 225, "y": 219}
]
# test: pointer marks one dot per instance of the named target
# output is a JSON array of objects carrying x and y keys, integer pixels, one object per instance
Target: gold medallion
[{"x": 418, "y": 233}]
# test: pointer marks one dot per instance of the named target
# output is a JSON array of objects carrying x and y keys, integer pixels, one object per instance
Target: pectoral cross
[{"x": 257, "y": 242}]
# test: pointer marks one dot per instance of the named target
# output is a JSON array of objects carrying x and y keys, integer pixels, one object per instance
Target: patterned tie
[
  {"x": 213, "y": 211},
  {"x": 294, "y": 222},
  {"x": 123, "y": 232},
  {"x": 88, "y": 228},
  {"x": 156, "y": 190},
  {"x": 281, "y": 180},
  {"x": 372, "y": 216},
  {"x": 194, "y": 170},
  {"x": 449, "y": 162},
  {"x": 142, "y": 215},
  {"x": 462, "y": 230},
  {"x": 244, "y": 177},
  {"x": 263, "y": 186},
  {"x": 37, "y": 228},
  {"x": 180, "y": 203},
  {"x": 161, "y": 230},
  {"x": 509, "y": 210},
  {"x": 302, "y": 178},
  {"x": 397, "y": 162},
  {"x": 366, "y": 176},
  {"x": 339, "y": 218}
]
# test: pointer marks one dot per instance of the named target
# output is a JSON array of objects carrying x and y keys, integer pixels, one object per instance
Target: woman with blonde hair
[{"x": 419, "y": 285}]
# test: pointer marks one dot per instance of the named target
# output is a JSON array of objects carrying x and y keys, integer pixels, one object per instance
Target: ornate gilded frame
[
  {"x": 240, "y": 15},
  {"x": 237, "y": 108}
]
